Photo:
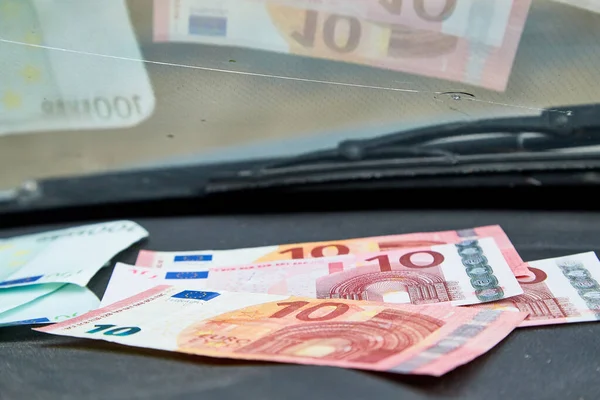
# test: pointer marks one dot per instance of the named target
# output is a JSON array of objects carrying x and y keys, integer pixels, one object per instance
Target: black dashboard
[{"x": 541, "y": 363}]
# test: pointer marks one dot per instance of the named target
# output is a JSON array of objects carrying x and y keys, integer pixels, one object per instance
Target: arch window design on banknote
[
  {"x": 419, "y": 277},
  {"x": 384, "y": 335},
  {"x": 420, "y": 287},
  {"x": 539, "y": 301}
]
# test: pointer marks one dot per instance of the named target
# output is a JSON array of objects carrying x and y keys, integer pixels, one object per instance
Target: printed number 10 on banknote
[
  {"x": 338, "y": 248},
  {"x": 399, "y": 338}
]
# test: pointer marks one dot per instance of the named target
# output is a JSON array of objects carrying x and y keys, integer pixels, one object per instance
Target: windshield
[{"x": 111, "y": 85}]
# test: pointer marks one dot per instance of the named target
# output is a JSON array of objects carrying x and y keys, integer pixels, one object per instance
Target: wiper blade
[{"x": 557, "y": 128}]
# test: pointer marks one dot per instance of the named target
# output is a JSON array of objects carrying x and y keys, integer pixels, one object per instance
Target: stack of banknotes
[
  {"x": 421, "y": 303},
  {"x": 43, "y": 276}
]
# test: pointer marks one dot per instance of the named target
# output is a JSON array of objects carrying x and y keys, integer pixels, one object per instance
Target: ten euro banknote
[
  {"x": 468, "y": 41},
  {"x": 429, "y": 340},
  {"x": 199, "y": 258},
  {"x": 562, "y": 290},
  {"x": 469, "y": 272}
]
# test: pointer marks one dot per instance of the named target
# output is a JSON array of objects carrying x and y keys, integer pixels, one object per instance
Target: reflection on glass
[
  {"x": 590, "y": 5},
  {"x": 52, "y": 78},
  {"x": 469, "y": 41}
]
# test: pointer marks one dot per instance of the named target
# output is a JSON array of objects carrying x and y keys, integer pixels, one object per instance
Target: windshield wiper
[
  {"x": 488, "y": 152},
  {"x": 498, "y": 140},
  {"x": 564, "y": 127}
]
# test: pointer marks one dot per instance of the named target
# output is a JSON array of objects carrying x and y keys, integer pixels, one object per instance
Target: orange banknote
[
  {"x": 425, "y": 340},
  {"x": 469, "y": 272},
  {"x": 561, "y": 290},
  {"x": 199, "y": 259}
]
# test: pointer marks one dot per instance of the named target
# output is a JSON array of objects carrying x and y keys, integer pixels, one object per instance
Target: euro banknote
[
  {"x": 199, "y": 259},
  {"x": 128, "y": 280},
  {"x": 17, "y": 296},
  {"x": 425, "y": 340},
  {"x": 589, "y": 5},
  {"x": 48, "y": 90},
  {"x": 67, "y": 302},
  {"x": 72, "y": 255},
  {"x": 469, "y": 272},
  {"x": 562, "y": 290},
  {"x": 467, "y": 41}
]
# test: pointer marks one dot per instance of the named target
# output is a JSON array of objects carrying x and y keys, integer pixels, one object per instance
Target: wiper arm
[{"x": 556, "y": 128}]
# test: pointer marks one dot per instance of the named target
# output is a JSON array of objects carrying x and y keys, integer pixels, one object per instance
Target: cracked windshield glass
[{"x": 90, "y": 86}]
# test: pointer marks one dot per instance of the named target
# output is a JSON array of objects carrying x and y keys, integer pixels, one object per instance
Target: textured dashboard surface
[{"x": 561, "y": 362}]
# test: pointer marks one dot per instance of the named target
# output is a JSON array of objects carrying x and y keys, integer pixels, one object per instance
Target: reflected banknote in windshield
[
  {"x": 63, "y": 68},
  {"x": 468, "y": 41},
  {"x": 590, "y": 5}
]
